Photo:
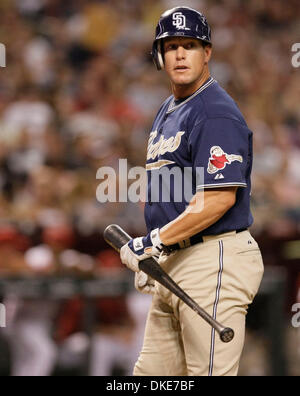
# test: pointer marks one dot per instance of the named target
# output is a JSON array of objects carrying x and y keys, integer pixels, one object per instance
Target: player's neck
[{"x": 183, "y": 91}]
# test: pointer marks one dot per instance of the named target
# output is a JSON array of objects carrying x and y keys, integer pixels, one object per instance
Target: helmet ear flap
[
  {"x": 157, "y": 55},
  {"x": 160, "y": 54}
]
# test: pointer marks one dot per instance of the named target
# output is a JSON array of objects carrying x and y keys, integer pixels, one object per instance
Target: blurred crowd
[{"x": 80, "y": 92}]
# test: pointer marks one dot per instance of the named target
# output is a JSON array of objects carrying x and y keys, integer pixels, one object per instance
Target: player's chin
[
  {"x": 182, "y": 79},
  {"x": 187, "y": 76}
]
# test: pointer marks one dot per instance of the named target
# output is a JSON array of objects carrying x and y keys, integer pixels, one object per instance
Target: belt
[{"x": 193, "y": 240}]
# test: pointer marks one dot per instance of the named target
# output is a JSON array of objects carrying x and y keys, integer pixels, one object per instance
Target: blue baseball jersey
[{"x": 204, "y": 140}]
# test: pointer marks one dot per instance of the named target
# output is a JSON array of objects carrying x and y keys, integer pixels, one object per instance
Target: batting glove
[
  {"x": 144, "y": 283},
  {"x": 139, "y": 249}
]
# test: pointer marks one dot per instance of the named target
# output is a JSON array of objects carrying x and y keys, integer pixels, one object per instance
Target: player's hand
[
  {"x": 139, "y": 249},
  {"x": 144, "y": 283}
]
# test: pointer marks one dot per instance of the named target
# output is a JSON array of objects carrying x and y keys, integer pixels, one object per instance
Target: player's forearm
[{"x": 194, "y": 220}]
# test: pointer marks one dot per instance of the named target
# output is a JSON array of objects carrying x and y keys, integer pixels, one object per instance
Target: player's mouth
[{"x": 181, "y": 68}]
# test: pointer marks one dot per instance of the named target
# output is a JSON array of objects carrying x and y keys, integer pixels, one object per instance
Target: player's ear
[{"x": 207, "y": 53}]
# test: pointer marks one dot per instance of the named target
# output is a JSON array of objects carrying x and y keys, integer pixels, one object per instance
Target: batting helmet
[{"x": 179, "y": 22}]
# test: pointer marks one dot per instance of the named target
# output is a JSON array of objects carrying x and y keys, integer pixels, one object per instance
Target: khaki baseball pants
[{"x": 222, "y": 275}]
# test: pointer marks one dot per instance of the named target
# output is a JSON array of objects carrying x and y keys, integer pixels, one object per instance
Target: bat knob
[{"x": 227, "y": 334}]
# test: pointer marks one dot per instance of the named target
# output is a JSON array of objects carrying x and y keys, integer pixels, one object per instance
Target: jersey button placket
[{"x": 163, "y": 124}]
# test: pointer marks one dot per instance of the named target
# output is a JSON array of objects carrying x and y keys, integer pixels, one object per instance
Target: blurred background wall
[{"x": 79, "y": 92}]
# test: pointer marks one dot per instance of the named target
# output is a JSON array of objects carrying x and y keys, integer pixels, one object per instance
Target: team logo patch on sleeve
[{"x": 219, "y": 159}]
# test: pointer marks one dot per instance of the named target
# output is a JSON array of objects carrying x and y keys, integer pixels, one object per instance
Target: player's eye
[
  {"x": 171, "y": 47},
  {"x": 190, "y": 45}
]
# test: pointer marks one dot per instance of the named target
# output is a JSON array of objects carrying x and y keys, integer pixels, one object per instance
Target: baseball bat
[{"x": 116, "y": 237}]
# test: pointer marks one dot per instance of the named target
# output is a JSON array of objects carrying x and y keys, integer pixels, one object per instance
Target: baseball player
[{"x": 208, "y": 251}]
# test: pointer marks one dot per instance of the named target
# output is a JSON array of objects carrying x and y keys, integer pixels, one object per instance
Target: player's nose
[{"x": 180, "y": 53}]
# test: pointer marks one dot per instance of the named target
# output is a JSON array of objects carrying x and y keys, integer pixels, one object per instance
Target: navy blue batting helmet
[{"x": 179, "y": 22}]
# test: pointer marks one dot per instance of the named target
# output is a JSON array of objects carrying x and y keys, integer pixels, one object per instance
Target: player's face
[{"x": 186, "y": 62}]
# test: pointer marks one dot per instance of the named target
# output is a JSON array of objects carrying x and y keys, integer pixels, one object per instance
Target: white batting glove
[
  {"x": 144, "y": 283},
  {"x": 139, "y": 249}
]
